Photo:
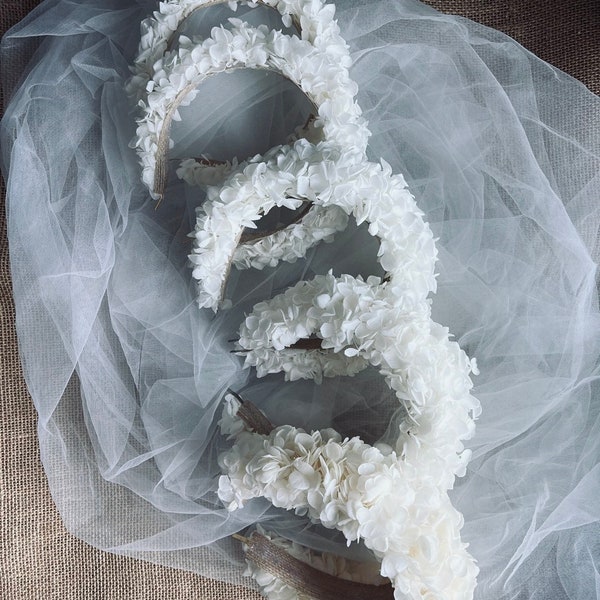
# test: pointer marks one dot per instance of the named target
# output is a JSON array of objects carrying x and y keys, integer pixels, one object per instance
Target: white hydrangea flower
[
  {"x": 166, "y": 78},
  {"x": 276, "y": 589},
  {"x": 396, "y": 507},
  {"x": 340, "y": 181}
]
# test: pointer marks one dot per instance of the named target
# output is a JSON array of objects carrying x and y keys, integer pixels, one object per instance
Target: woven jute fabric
[
  {"x": 38, "y": 557},
  {"x": 565, "y": 34}
]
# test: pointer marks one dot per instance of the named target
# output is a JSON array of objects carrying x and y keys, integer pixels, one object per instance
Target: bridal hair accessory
[
  {"x": 318, "y": 63},
  {"x": 394, "y": 499},
  {"x": 286, "y": 570},
  {"x": 393, "y": 503}
]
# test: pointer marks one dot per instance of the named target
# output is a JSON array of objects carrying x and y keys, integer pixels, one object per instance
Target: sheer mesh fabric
[{"x": 502, "y": 153}]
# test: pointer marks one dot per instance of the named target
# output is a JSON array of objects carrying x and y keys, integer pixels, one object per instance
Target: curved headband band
[
  {"x": 314, "y": 21},
  {"x": 157, "y": 68},
  {"x": 175, "y": 81}
]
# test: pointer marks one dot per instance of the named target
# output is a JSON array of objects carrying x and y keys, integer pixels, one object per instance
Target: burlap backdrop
[{"x": 39, "y": 558}]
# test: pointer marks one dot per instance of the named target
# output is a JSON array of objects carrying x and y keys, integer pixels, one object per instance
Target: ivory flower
[
  {"x": 400, "y": 512},
  {"x": 165, "y": 77}
]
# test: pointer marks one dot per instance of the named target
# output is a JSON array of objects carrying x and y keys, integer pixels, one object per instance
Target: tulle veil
[{"x": 502, "y": 152}]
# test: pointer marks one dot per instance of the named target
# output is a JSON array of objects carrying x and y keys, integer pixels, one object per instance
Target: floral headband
[
  {"x": 394, "y": 499},
  {"x": 165, "y": 78}
]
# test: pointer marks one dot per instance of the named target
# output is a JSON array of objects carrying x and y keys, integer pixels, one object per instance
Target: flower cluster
[
  {"x": 315, "y": 19},
  {"x": 338, "y": 183},
  {"x": 393, "y": 504},
  {"x": 319, "y": 70},
  {"x": 359, "y": 324},
  {"x": 276, "y": 589}
]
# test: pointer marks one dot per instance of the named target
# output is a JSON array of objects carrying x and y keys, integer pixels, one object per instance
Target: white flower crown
[
  {"x": 314, "y": 20},
  {"x": 395, "y": 499},
  {"x": 318, "y": 64},
  {"x": 396, "y": 504}
]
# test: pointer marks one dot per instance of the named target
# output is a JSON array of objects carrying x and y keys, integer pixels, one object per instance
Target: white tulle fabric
[{"x": 502, "y": 153}]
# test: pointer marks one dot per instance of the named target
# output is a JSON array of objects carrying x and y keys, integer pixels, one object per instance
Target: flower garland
[
  {"x": 330, "y": 179},
  {"x": 392, "y": 503},
  {"x": 320, "y": 73},
  {"x": 315, "y": 21}
]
